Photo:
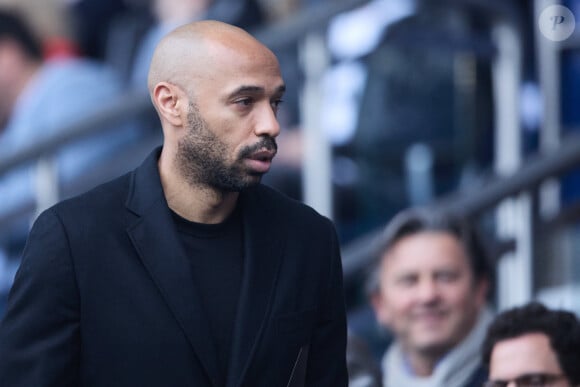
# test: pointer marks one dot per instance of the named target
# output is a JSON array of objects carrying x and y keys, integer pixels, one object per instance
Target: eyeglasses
[{"x": 528, "y": 380}]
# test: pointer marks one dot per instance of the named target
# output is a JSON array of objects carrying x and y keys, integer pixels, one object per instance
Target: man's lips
[
  {"x": 261, "y": 161},
  {"x": 263, "y": 155},
  {"x": 431, "y": 317}
]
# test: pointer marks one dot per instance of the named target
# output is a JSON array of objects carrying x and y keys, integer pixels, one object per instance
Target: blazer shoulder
[
  {"x": 104, "y": 198},
  {"x": 286, "y": 205},
  {"x": 284, "y": 202}
]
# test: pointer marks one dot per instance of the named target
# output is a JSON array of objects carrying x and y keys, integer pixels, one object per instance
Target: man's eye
[
  {"x": 407, "y": 280},
  {"x": 276, "y": 103},
  {"x": 447, "y": 276},
  {"x": 244, "y": 102}
]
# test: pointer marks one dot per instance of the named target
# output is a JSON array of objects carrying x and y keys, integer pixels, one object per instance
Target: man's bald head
[
  {"x": 190, "y": 51},
  {"x": 216, "y": 90}
]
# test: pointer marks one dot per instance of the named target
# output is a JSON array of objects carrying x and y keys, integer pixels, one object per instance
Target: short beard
[{"x": 201, "y": 158}]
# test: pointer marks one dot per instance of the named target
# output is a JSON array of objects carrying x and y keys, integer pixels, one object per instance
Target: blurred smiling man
[{"x": 429, "y": 289}]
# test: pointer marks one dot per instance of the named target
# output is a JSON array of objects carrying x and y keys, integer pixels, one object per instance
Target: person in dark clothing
[{"x": 186, "y": 271}]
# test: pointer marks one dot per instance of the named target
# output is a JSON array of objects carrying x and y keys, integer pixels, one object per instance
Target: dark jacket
[
  {"x": 105, "y": 297},
  {"x": 477, "y": 378}
]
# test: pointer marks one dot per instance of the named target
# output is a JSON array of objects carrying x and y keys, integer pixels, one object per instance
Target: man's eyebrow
[
  {"x": 255, "y": 90},
  {"x": 247, "y": 89}
]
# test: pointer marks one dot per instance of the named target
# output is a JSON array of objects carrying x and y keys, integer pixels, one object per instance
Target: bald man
[{"x": 186, "y": 271}]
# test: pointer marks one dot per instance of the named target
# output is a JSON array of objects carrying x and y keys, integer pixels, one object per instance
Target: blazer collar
[
  {"x": 145, "y": 185},
  {"x": 155, "y": 239}
]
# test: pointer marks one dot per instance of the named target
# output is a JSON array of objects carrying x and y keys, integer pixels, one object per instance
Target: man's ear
[
  {"x": 171, "y": 103},
  {"x": 481, "y": 291},
  {"x": 380, "y": 308}
]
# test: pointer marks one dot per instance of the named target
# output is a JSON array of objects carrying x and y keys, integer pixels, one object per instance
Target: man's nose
[
  {"x": 267, "y": 122},
  {"x": 428, "y": 290}
]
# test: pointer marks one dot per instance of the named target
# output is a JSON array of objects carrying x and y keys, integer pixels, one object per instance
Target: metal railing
[
  {"x": 108, "y": 117},
  {"x": 112, "y": 113},
  {"x": 474, "y": 204}
]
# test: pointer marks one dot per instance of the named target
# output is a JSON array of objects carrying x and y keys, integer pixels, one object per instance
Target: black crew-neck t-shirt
[{"x": 216, "y": 255}]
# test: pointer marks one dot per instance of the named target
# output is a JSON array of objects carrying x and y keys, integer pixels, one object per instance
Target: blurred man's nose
[{"x": 427, "y": 290}]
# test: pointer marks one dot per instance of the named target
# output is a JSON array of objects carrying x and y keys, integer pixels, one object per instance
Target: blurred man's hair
[
  {"x": 419, "y": 220},
  {"x": 13, "y": 27}
]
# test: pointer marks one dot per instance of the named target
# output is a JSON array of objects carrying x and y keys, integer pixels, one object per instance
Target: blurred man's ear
[
  {"x": 379, "y": 306},
  {"x": 481, "y": 290}
]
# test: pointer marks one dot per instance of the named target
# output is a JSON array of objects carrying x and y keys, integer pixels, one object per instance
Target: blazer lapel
[
  {"x": 155, "y": 239},
  {"x": 263, "y": 245}
]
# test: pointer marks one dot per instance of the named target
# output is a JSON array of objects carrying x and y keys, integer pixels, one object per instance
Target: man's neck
[
  {"x": 423, "y": 364},
  {"x": 195, "y": 203},
  {"x": 201, "y": 205}
]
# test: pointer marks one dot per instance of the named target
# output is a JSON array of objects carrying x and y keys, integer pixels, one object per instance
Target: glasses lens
[
  {"x": 495, "y": 383},
  {"x": 537, "y": 380},
  {"x": 530, "y": 380}
]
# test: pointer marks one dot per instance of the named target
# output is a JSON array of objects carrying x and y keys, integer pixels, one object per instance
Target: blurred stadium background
[{"x": 467, "y": 104}]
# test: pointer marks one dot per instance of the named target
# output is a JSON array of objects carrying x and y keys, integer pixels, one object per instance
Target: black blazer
[{"x": 104, "y": 296}]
